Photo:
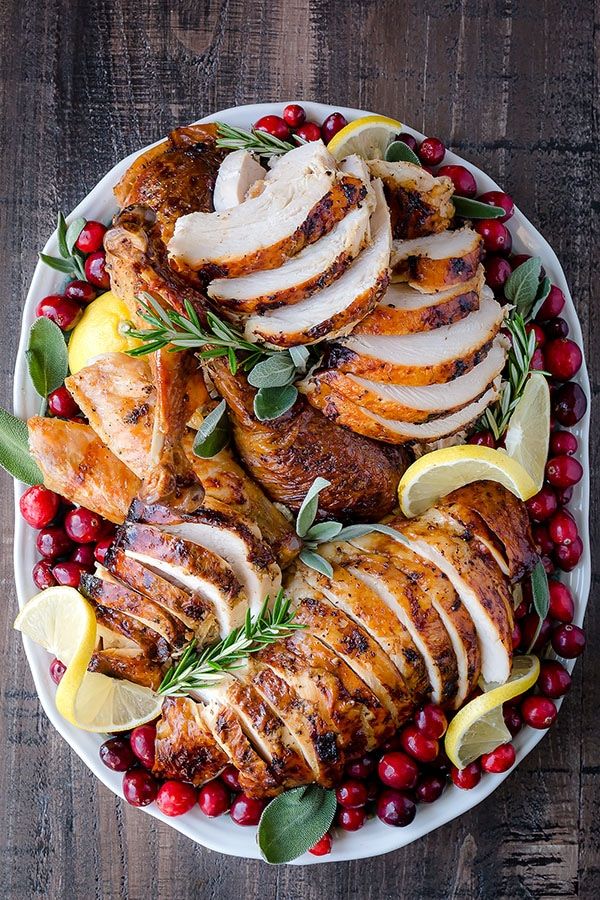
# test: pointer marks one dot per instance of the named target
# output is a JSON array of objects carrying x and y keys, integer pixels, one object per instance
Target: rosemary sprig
[
  {"x": 196, "y": 670},
  {"x": 496, "y": 418},
  {"x": 258, "y": 142}
]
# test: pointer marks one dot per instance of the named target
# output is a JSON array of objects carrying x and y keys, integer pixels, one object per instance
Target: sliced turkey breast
[
  {"x": 237, "y": 173},
  {"x": 334, "y": 310},
  {"x": 435, "y": 262},
  {"x": 150, "y": 642},
  {"x": 365, "y": 607},
  {"x": 185, "y": 747},
  {"x": 420, "y": 203},
  {"x": 314, "y": 268},
  {"x": 415, "y": 404},
  {"x": 303, "y": 197},
  {"x": 482, "y": 591},
  {"x": 427, "y": 358},
  {"x": 123, "y": 662},
  {"x": 403, "y": 310},
  {"x": 393, "y": 431},
  {"x": 190, "y": 566}
]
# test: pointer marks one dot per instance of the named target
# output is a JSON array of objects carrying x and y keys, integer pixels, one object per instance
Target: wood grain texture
[{"x": 511, "y": 84}]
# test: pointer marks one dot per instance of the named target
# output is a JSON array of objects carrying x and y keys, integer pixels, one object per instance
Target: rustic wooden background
[{"x": 511, "y": 84}]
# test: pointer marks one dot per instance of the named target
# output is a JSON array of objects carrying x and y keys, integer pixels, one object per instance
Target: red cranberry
[
  {"x": 466, "y": 778},
  {"x": 96, "y": 271},
  {"x": 569, "y": 404},
  {"x": 562, "y": 527},
  {"x": 496, "y": 236},
  {"x": 416, "y": 744},
  {"x": 483, "y": 439},
  {"x": 323, "y": 846},
  {"x": 83, "y": 525},
  {"x": 397, "y": 770},
  {"x": 80, "y": 291},
  {"x": 57, "y": 670},
  {"x": 175, "y": 798},
  {"x": 562, "y": 605},
  {"x": 523, "y": 608},
  {"x": 548, "y": 564},
  {"x": 540, "y": 337},
  {"x": 362, "y": 768},
  {"x": 552, "y": 305},
  {"x": 464, "y": 182},
  {"x": 556, "y": 328},
  {"x": 142, "y": 740},
  {"x": 116, "y": 754},
  {"x": 273, "y": 125},
  {"x": 563, "y": 443},
  {"x": 246, "y": 810},
  {"x": 351, "y": 819},
  {"x": 563, "y": 358},
  {"x": 529, "y": 627},
  {"x": 409, "y": 140},
  {"x": 42, "y": 575},
  {"x": 499, "y": 760},
  {"x": 516, "y": 636},
  {"x": 310, "y": 131},
  {"x": 84, "y": 555},
  {"x": 68, "y": 573},
  {"x": 568, "y": 641},
  {"x": 512, "y": 719},
  {"x": 537, "y": 361},
  {"x": 101, "y": 549},
  {"x": 214, "y": 798},
  {"x": 543, "y": 505},
  {"x": 39, "y": 506},
  {"x": 430, "y": 787},
  {"x": 294, "y": 115},
  {"x": 554, "y": 680},
  {"x": 499, "y": 198},
  {"x": 563, "y": 471},
  {"x": 542, "y": 539},
  {"x": 352, "y": 794},
  {"x": 431, "y": 721},
  {"x": 332, "y": 124},
  {"x": 91, "y": 237},
  {"x": 231, "y": 777},
  {"x": 62, "y": 405},
  {"x": 396, "y": 808},
  {"x": 60, "y": 310},
  {"x": 497, "y": 270},
  {"x": 538, "y": 712},
  {"x": 139, "y": 787},
  {"x": 53, "y": 542},
  {"x": 432, "y": 151},
  {"x": 564, "y": 495}
]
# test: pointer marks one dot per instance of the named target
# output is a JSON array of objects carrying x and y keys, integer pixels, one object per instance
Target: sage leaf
[
  {"x": 73, "y": 232},
  {"x": 323, "y": 531},
  {"x": 355, "y": 531},
  {"x": 315, "y": 561},
  {"x": 543, "y": 291},
  {"x": 300, "y": 356},
  {"x": 61, "y": 236},
  {"x": 398, "y": 151},
  {"x": 294, "y": 821},
  {"x": 541, "y": 597},
  {"x": 213, "y": 434},
  {"x": 46, "y": 356},
  {"x": 522, "y": 285},
  {"x": 270, "y": 403},
  {"x": 14, "y": 450},
  {"x": 474, "y": 209},
  {"x": 66, "y": 266},
  {"x": 310, "y": 504},
  {"x": 274, "y": 371}
]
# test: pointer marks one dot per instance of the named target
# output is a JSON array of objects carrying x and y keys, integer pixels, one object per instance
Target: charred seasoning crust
[{"x": 390, "y": 320}]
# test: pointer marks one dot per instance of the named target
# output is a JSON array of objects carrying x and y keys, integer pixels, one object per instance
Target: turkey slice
[
  {"x": 427, "y": 358},
  {"x": 437, "y": 261},
  {"x": 420, "y": 203},
  {"x": 416, "y": 404},
  {"x": 337, "y": 308},
  {"x": 304, "y": 196},
  {"x": 185, "y": 747},
  {"x": 237, "y": 173}
]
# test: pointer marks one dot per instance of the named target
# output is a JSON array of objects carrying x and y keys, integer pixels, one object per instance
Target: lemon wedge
[
  {"x": 368, "y": 137},
  {"x": 442, "y": 471},
  {"x": 61, "y": 621},
  {"x": 100, "y": 330},
  {"x": 528, "y": 432},
  {"x": 479, "y": 726}
]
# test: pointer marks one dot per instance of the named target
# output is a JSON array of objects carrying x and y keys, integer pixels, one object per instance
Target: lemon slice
[
  {"x": 442, "y": 471},
  {"x": 368, "y": 137},
  {"x": 479, "y": 726},
  {"x": 61, "y": 621},
  {"x": 100, "y": 330},
  {"x": 528, "y": 432}
]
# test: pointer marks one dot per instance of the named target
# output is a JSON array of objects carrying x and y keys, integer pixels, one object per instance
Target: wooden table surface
[{"x": 510, "y": 84}]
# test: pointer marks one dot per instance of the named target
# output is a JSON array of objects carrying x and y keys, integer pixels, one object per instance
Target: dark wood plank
[{"x": 513, "y": 86}]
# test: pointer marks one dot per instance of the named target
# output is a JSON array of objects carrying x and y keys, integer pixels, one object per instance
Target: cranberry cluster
[
  {"x": 293, "y": 121},
  {"x": 65, "y": 309}
]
